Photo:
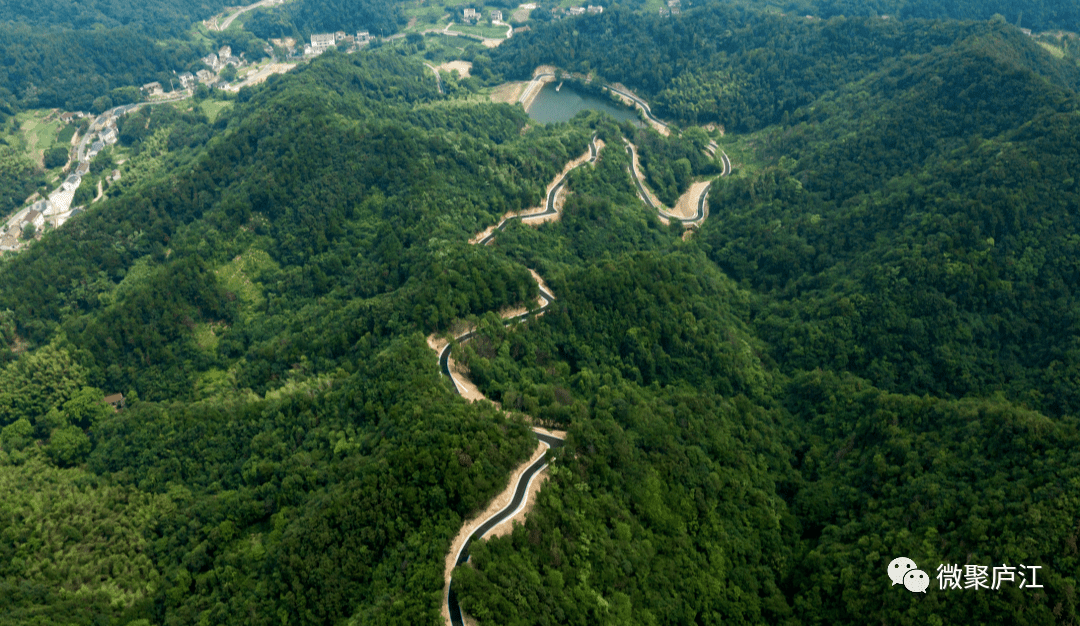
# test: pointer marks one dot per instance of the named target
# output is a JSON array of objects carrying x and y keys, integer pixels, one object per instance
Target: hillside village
[
  {"x": 56, "y": 209},
  {"x": 28, "y": 223}
]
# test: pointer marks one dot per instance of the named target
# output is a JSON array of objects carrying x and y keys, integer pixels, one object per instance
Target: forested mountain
[
  {"x": 301, "y": 18},
  {"x": 1034, "y": 14},
  {"x": 868, "y": 350},
  {"x": 70, "y": 69},
  {"x": 734, "y": 66},
  {"x": 156, "y": 17}
]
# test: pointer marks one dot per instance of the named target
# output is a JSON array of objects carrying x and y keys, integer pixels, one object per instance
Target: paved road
[
  {"x": 698, "y": 215},
  {"x": 644, "y": 105},
  {"x": 549, "y": 207},
  {"x": 521, "y": 490},
  {"x": 232, "y": 17},
  {"x": 511, "y": 509},
  {"x": 438, "y": 79}
]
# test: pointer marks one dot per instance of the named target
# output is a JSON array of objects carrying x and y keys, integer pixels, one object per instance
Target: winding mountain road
[
  {"x": 641, "y": 103},
  {"x": 647, "y": 197},
  {"x": 549, "y": 204},
  {"x": 547, "y": 439}
]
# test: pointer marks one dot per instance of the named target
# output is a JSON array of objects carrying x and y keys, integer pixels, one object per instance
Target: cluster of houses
[
  {"x": 575, "y": 11},
  {"x": 673, "y": 8},
  {"x": 216, "y": 61},
  {"x": 322, "y": 42},
  {"x": 56, "y": 209},
  {"x": 472, "y": 16}
]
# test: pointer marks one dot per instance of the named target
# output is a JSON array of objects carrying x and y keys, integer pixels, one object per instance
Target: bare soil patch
[
  {"x": 686, "y": 207},
  {"x": 463, "y": 67},
  {"x": 508, "y": 92}
]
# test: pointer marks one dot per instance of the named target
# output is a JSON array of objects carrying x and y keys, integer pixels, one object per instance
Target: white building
[
  {"x": 576, "y": 11},
  {"x": 496, "y": 16},
  {"x": 33, "y": 217},
  {"x": 593, "y": 10},
  {"x": 470, "y": 14},
  {"x": 321, "y": 43},
  {"x": 44, "y": 207},
  {"x": 153, "y": 89},
  {"x": 363, "y": 38}
]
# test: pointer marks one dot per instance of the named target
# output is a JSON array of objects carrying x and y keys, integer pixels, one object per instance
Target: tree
[
  {"x": 56, "y": 157},
  {"x": 67, "y": 446},
  {"x": 102, "y": 104},
  {"x": 87, "y": 408},
  {"x": 18, "y": 435}
]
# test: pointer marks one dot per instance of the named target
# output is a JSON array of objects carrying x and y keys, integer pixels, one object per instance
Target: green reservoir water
[{"x": 560, "y": 106}]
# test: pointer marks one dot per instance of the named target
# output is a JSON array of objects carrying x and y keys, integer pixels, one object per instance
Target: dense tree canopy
[{"x": 869, "y": 348}]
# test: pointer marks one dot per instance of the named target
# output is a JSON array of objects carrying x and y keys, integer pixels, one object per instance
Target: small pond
[{"x": 559, "y": 106}]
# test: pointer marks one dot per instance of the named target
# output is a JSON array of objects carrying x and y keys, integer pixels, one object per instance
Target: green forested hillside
[
  {"x": 269, "y": 291},
  {"x": 734, "y": 66},
  {"x": 866, "y": 351}
]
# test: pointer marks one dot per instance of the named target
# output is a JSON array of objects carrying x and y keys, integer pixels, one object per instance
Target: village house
[
  {"x": 496, "y": 16},
  {"x": 576, "y": 10},
  {"x": 153, "y": 89},
  {"x": 594, "y": 10},
  {"x": 211, "y": 60},
  {"x": 83, "y": 169},
  {"x": 116, "y": 401},
  {"x": 109, "y": 135},
  {"x": 205, "y": 76},
  {"x": 42, "y": 206},
  {"x": 71, "y": 183},
  {"x": 321, "y": 43},
  {"x": 8, "y": 242},
  {"x": 187, "y": 80},
  {"x": 224, "y": 52},
  {"x": 33, "y": 217},
  {"x": 342, "y": 36},
  {"x": 363, "y": 38},
  {"x": 470, "y": 14}
]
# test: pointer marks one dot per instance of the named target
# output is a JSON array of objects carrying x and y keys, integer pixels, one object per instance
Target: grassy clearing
[
  {"x": 213, "y": 108},
  {"x": 482, "y": 30},
  {"x": 1055, "y": 51},
  {"x": 38, "y": 130},
  {"x": 65, "y": 135},
  {"x": 743, "y": 150},
  {"x": 237, "y": 275}
]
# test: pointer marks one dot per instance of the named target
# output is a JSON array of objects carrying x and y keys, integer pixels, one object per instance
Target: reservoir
[{"x": 559, "y": 106}]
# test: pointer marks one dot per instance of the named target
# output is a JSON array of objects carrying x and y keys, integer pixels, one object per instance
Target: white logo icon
[
  {"x": 899, "y": 568},
  {"x": 916, "y": 581}
]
